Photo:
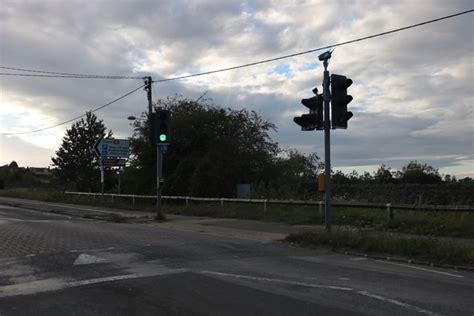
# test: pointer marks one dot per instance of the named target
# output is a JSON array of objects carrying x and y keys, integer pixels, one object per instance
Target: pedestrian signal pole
[{"x": 327, "y": 141}]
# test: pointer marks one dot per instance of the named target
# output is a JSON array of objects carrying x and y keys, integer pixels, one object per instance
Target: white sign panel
[{"x": 116, "y": 148}]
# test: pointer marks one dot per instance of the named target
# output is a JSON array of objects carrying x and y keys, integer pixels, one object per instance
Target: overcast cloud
[{"x": 412, "y": 90}]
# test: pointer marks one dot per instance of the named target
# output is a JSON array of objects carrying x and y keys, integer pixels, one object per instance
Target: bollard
[
  {"x": 389, "y": 213},
  {"x": 265, "y": 206},
  {"x": 222, "y": 202},
  {"x": 187, "y": 201},
  {"x": 112, "y": 198},
  {"x": 133, "y": 200}
]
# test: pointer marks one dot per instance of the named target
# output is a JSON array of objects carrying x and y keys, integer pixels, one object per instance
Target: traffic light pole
[{"x": 327, "y": 147}]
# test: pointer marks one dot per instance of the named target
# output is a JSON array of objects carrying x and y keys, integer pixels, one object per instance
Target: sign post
[{"x": 112, "y": 153}]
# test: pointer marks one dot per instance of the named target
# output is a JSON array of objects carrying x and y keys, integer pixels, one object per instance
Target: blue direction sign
[{"x": 114, "y": 148}]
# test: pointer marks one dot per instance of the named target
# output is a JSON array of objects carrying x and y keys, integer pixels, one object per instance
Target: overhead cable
[
  {"x": 80, "y": 116},
  {"x": 52, "y": 74},
  {"x": 315, "y": 49}
]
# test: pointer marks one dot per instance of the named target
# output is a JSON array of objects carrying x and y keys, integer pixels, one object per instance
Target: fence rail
[{"x": 388, "y": 206}]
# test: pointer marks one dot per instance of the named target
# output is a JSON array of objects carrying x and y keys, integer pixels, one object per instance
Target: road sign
[
  {"x": 116, "y": 148},
  {"x": 113, "y": 162}
]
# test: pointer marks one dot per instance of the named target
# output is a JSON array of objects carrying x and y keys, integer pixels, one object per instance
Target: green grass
[
  {"x": 422, "y": 249},
  {"x": 454, "y": 224}
]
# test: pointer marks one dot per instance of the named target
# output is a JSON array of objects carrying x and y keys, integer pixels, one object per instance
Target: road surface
[{"x": 60, "y": 265}]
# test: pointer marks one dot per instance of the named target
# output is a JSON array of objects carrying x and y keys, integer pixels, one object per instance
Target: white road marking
[
  {"x": 55, "y": 284},
  {"x": 102, "y": 280},
  {"x": 344, "y": 279},
  {"x": 364, "y": 293},
  {"x": 392, "y": 301},
  {"x": 357, "y": 258},
  {"x": 239, "y": 276},
  {"x": 420, "y": 268},
  {"x": 84, "y": 258}
]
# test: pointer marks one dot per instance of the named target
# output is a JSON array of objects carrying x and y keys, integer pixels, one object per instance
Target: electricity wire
[
  {"x": 86, "y": 76},
  {"x": 80, "y": 116},
  {"x": 42, "y": 73},
  {"x": 62, "y": 74},
  {"x": 315, "y": 49}
]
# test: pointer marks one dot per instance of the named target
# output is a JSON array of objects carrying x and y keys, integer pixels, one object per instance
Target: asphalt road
[{"x": 60, "y": 265}]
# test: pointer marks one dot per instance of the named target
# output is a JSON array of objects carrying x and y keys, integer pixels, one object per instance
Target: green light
[{"x": 163, "y": 137}]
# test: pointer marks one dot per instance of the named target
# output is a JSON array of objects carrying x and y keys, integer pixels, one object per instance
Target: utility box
[
  {"x": 321, "y": 183},
  {"x": 243, "y": 191}
]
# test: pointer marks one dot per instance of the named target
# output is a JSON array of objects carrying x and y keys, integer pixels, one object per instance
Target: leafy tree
[
  {"x": 383, "y": 175},
  {"x": 212, "y": 149},
  {"x": 415, "y": 172},
  {"x": 291, "y": 175},
  {"x": 75, "y": 165}
]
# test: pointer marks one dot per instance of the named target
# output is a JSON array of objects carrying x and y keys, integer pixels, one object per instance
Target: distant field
[{"x": 455, "y": 224}]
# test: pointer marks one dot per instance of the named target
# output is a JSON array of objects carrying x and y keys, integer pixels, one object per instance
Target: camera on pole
[{"x": 313, "y": 120}]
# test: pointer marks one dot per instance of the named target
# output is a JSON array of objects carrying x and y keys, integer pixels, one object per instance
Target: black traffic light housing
[
  {"x": 313, "y": 120},
  {"x": 160, "y": 127},
  {"x": 163, "y": 125},
  {"x": 339, "y": 101}
]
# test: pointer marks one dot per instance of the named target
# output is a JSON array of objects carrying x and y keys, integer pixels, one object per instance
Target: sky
[{"x": 412, "y": 90}]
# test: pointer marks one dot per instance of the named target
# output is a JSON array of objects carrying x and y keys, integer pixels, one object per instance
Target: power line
[
  {"x": 51, "y": 74},
  {"x": 85, "y": 76},
  {"x": 62, "y": 74},
  {"x": 80, "y": 116},
  {"x": 315, "y": 49}
]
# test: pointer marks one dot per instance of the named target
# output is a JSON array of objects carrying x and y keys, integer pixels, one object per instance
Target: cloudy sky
[{"x": 413, "y": 90}]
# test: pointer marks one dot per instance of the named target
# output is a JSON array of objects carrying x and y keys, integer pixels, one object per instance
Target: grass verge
[
  {"x": 428, "y": 250},
  {"x": 450, "y": 224}
]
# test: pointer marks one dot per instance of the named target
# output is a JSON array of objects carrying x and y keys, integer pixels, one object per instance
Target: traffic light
[
  {"x": 163, "y": 122},
  {"x": 339, "y": 101},
  {"x": 313, "y": 120},
  {"x": 153, "y": 129}
]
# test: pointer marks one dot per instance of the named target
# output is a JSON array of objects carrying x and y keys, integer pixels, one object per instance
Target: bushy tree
[
  {"x": 415, "y": 172},
  {"x": 212, "y": 149},
  {"x": 75, "y": 165}
]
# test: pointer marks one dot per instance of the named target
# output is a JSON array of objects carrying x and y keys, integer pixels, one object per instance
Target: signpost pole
[{"x": 102, "y": 178}]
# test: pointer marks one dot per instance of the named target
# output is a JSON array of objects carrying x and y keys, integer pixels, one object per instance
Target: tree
[
  {"x": 383, "y": 175},
  {"x": 212, "y": 149},
  {"x": 415, "y": 172},
  {"x": 75, "y": 165}
]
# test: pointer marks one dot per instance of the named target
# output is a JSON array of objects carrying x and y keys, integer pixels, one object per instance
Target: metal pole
[
  {"x": 158, "y": 188},
  {"x": 327, "y": 147},
  {"x": 119, "y": 181},
  {"x": 102, "y": 178}
]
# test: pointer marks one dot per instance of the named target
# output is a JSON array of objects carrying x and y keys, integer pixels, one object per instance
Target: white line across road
[
  {"x": 422, "y": 269},
  {"x": 311, "y": 285},
  {"x": 239, "y": 276},
  {"x": 392, "y": 301}
]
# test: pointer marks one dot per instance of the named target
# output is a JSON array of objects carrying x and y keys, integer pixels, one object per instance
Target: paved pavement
[{"x": 54, "y": 264}]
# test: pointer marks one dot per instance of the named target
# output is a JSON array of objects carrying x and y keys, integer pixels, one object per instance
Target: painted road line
[
  {"x": 55, "y": 284},
  {"x": 420, "y": 268},
  {"x": 358, "y": 258},
  {"x": 364, "y": 293},
  {"x": 395, "y": 302},
  {"x": 239, "y": 276}
]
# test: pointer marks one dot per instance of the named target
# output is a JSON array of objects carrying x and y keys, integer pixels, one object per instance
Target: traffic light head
[
  {"x": 313, "y": 120},
  {"x": 339, "y": 101},
  {"x": 163, "y": 124}
]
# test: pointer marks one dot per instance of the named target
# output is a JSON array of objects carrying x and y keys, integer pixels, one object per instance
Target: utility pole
[{"x": 148, "y": 88}]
